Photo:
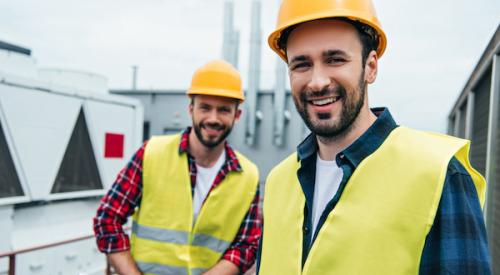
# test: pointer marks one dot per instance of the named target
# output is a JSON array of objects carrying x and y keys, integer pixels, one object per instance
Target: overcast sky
[{"x": 433, "y": 46}]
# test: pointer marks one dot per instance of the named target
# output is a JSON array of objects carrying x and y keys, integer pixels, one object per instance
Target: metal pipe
[
  {"x": 134, "y": 77},
  {"x": 279, "y": 103},
  {"x": 235, "y": 48},
  {"x": 230, "y": 42},
  {"x": 228, "y": 31},
  {"x": 253, "y": 74},
  {"x": 12, "y": 254}
]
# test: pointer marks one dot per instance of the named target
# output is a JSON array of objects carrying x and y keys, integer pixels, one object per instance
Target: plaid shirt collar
[{"x": 231, "y": 159}]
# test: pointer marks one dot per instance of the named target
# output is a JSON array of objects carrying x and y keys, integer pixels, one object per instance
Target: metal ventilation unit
[{"x": 62, "y": 135}]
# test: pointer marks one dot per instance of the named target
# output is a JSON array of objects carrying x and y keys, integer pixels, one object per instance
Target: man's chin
[
  {"x": 323, "y": 128},
  {"x": 211, "y": 143}
]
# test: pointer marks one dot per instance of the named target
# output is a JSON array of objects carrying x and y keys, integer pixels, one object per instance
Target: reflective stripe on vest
[
  {"x": 380, "y": 223},
  {"x": 164, "y": 237},
  {"x": 167, "y": 270},
  {"x": 179, "y": 237}
]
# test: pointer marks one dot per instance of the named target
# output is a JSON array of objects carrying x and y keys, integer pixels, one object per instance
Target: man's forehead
[{"x": 322, "y": 35}]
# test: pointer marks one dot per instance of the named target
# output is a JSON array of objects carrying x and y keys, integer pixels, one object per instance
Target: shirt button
[
  {"x": 342, "y": 156},
  {"x": 306, "y": 230}
]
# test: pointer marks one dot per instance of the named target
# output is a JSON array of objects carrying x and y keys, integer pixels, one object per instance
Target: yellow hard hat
[
  {"x": 217, "y": 78},
  {"x": 294, "y": 12}
]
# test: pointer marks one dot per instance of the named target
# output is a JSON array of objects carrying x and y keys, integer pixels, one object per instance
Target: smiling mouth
[
  {"x": 325, "y": 101},
  {"x": 213, "y": 131}
]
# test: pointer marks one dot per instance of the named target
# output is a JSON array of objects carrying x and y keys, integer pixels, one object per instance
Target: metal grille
[
  {"x": 480, "y": 125},
  {"x": 10, "y": 186},
  {"x": 78, "y": 171}
]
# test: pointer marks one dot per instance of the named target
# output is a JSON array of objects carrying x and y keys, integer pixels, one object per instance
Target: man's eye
[
  {"x": 300, "y": 66},
  {"x": 335, "y": 60}
]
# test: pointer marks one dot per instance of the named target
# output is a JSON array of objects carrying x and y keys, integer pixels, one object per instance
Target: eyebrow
[
  {"x": 299, "y": 58},
  {"x": 330, "y": 53}
]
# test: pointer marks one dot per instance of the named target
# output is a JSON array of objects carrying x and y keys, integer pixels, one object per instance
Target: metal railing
[{"x": 12, "y": 254}]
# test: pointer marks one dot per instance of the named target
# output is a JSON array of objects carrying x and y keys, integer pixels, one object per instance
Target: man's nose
[{"x": 319, "y": 79}]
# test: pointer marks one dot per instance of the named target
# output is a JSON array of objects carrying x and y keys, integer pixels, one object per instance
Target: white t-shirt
[
  {"x": 204, "y": 179},
  {"x": 328, "y": 178}
]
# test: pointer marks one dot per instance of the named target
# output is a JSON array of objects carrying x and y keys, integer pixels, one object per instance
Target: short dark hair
[{"x": 367, "y": 35}]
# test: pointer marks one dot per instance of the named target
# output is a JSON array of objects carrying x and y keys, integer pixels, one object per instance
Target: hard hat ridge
[{"x": 217, "y": 78}]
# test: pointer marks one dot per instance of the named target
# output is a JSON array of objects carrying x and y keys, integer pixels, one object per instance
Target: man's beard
[
  {"x": 211, "y": 143},
  {"x": 350, "y": 110}
]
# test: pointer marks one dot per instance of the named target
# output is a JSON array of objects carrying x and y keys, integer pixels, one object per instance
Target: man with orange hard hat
[
  {"x": 362, "y": 195},
  {"x": 194, "y": 200}
]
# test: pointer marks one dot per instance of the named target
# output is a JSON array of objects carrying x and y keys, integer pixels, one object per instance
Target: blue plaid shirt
[{"x": 457, "y": 242}]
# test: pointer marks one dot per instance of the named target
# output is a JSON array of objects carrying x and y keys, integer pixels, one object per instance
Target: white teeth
[{"x": 325, "y": 101}]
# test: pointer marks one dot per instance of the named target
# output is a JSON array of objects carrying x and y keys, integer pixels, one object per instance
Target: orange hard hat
[
  {"x": 294, "y": 12},
  {"x": 217, "y": 78}
]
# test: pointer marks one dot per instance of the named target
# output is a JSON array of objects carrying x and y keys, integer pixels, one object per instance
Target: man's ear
[
  {"x": 190, "y": 109},
  {"x": 237, "y": 115},
  {"x": 371, "y": 67}
]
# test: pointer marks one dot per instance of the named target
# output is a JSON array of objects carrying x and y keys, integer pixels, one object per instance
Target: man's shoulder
[
  {"x": 161, "y": 142},
  {"x": 429, "y": 135},
  {"x": 246, "y": 163},
  {"x": 164, "y": 138},
  {"x": 425, "y": 142},
  {"x": 285, "y": 166}
]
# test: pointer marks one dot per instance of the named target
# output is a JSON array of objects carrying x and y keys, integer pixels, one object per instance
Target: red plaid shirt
[{"x": 126, "y": 192}]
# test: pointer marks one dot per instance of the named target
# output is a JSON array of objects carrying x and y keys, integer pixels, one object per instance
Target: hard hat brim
[
  {"x": 274, "y": 37},
  {"x": 215, "y": 92}
]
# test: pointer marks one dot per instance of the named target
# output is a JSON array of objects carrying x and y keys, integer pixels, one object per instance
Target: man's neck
[
  {"x": 203, "y": 155},
  {"x": 328, "y": 148}
]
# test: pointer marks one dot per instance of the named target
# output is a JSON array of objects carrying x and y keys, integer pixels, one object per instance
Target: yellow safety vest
[
  {"x": 380, "y": 223},
  {"x": 164, "y": 239}
]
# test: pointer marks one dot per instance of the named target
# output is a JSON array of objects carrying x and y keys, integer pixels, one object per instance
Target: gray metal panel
[
  {"x": 166, "y": 113},
  {"x": 10, "y": 185},
  {"x": 480, "y": 127},
  {"x": 456, "y": 123},
  {"x": 469, "y": 116},
  {"x": 494, "y": 202},
  {"x": 78, "y": 170},
  {"x": 493, "y": 166},
  {"x": 451, "y": 125},
  {"x": 461, "y": 122}
]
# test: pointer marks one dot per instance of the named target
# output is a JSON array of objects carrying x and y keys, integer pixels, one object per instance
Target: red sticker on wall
[{"x": 113, "y": 145}]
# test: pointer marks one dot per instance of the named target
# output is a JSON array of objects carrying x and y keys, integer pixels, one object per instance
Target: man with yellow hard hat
[
  {"x": 362, "y": 195},
  {"x": 194, "y": 200}
]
